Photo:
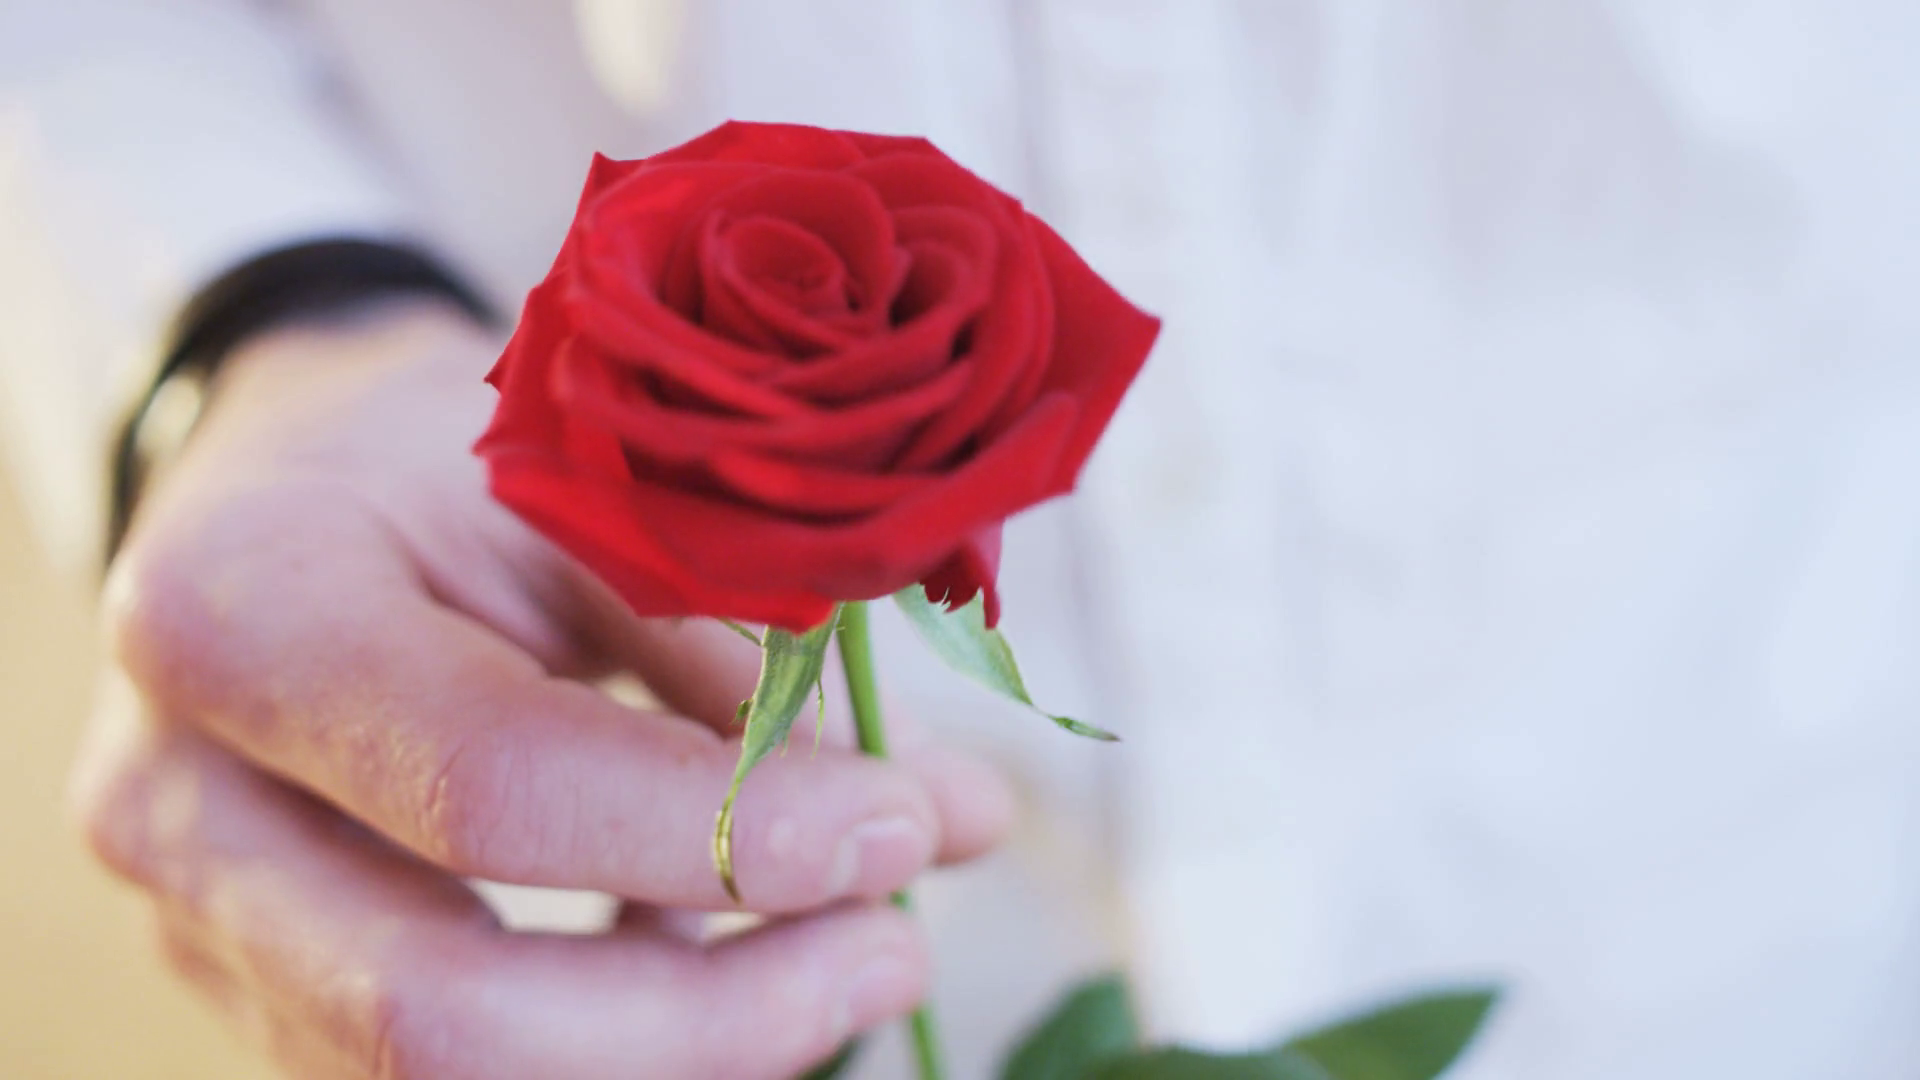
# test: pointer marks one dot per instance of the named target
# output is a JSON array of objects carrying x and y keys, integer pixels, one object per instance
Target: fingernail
[
  {"x": 883, "y": 988},
  {"x": 877, "y": 856}
]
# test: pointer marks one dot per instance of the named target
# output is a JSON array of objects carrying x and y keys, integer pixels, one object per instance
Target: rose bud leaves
[{"x": 790, "y": 669}]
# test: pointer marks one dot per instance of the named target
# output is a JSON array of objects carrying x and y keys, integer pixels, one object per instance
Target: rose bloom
[{"x": 781, "y": 367}]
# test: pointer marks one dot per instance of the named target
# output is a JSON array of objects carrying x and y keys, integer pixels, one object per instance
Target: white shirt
[{"x": 1508, "y": 565}]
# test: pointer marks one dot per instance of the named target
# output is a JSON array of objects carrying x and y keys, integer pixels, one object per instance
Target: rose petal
[
  {"x": 1100, "y": 341},
  {"x": 968, "y": 572},
  {"x": 786, "y": 261},
  {"x": 605, "y": 172},
  {"x": 945, "y": 242},
  {"x": 623, "y": 344},
  {"x": 1032, "y": 375},
  {"x": 629, "y": 228},
  {"x": 742, "y": 287},
  {"x": 863, "y": 435},
  {"x": 887, "y": 364},
  {"x": 809, "y": 490},
  {"x": 1003, "y": 350},
  {"x": 969, "y": 233},
  {"x": 602, "y": 526},
  {"x": 907, "y": 180},
  {"x": 627, "y": 244},
  {"x": 794, "y": 146},
  {"x": 835, "y": 207},
  {"x": 528, "y": 414},
  {"x": 969, "y": 246},
  {"x": 746, "y": 547},
  {"x": 567, "y": 480},
  {"x": 874, "y": 146},
  {"x": 525, "y": 413}
]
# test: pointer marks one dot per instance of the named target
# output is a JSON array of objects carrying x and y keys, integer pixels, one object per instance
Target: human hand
[{"x": 343, "y": 679}]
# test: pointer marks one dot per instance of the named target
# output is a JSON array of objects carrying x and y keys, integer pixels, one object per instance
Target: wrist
[
  {"x": 342, "y": 287},
  {"x": 289, "y": 376},
  {"x": 295, "y": 400}
]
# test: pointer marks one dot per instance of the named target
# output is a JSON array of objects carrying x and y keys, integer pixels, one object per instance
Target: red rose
[{"x": 781, "y": 367}]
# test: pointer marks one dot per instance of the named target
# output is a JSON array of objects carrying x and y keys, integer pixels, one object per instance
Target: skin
[{"x": 343, "y": 679}]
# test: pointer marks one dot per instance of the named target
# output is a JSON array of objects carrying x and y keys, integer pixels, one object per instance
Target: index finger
[{"x": 317, "y": 653}]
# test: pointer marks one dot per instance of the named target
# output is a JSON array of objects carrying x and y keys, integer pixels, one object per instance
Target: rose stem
[{"x": 856, "y": 657}]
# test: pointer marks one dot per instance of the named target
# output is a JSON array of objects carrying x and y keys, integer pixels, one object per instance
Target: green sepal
[
  {"x": 820, "y": 722},
  {"x": 1415, "y": 1039},
  {"x": 1094, "y": 1023},
  {"x": 962, "y": 639},
  {"x": 790, "y": 669}
]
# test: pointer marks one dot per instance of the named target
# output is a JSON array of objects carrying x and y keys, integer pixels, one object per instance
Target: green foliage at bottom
[
  {"x": 1092, "y": 1035},
  {"x": 1176, "y": 1063},
  {"x": 1416, "y": 1039},
  {"x": 1093, "y": 1024}
]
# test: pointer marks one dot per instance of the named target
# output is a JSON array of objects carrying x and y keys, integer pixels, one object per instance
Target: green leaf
[
  {"x": 1177, "y": 1063},
  {"x": 741, "y": 630},
  {"x": 1092, "y": 1024},
  {"x": 1416, "y": 1039},
  {"x": 790, "y": 668},
  {"x": 961, "y": 638},
  {"x": 835, "y": 1065}
]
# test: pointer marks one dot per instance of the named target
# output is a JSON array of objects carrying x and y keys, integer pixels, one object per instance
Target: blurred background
[
  {"x": 82, "y": 993},
  {"x": 1507, "y": 564}
]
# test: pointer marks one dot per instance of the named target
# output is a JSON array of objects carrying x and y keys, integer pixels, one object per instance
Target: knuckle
[
  {"x": 156, "y": 613},
  {"x": 478, "y": 819},
  {"x": 776, "y": 1027},
  {"x": 182, "y": 605},
  {"x": 411, "y": 1033},
  {"x": 185, "y": 957},
  {"x": 114, "y": 844},
  {"x": 111, "y": 810},
  {"x": 137, "y": 796}
]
